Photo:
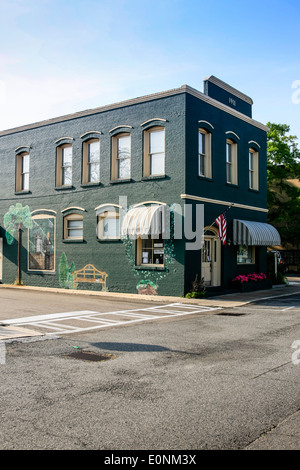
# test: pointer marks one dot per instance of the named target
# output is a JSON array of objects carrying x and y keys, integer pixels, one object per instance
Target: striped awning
[
  {"x": 145, "y": 220},
  {"x": 246, "y": 232}
]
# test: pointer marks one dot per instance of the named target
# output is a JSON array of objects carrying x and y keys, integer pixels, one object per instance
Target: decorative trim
[
  {"x": 224, "y": 203},
  {"x": 63, "y": 138},
  {"x": 73, "y": 208},
  {"x": 107, "y": 205},
  {"x": 90, "y": 132},
  {"x": 143, "y": 99},
  {"x": 149, "y": 202},
  {"x": 253, "y": 142},
  {"x": 223, "y": 107},
  {"x": 229, "y": 88},
  {"x": 120, "y": 127},
  {"x": 231, "y": 132},
  {"x": 206, "y": 122},
  {"x": 43, "y": 211},
  {"x": 22, "y": 147},
  {"x": 153, "y": 119}
]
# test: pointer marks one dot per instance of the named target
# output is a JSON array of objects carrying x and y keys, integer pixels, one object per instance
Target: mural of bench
[{"x": 90, "y": 274}]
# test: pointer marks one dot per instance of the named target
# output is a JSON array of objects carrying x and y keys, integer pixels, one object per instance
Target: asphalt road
[{"x": 209, "y": 381}]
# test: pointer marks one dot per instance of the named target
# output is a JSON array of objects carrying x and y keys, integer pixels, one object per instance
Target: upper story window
[
  {"x": 22, "y": 172},
  {"x": 91, "y": 161},
  {"x": 204, "y": 153},
  {"x": 154, "y": 151},
  {"x": 253, "y": 169},
  {"x": 121, "y": 156},
  {"x": 231, "y": 162},
  {"x": 64, "y": 165}
]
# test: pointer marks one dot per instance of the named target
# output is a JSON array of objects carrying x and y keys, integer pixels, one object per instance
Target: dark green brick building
[{"x": 98, "y": 182}]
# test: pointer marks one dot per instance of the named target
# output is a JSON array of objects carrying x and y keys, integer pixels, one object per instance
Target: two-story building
[{"x": 113, "y": 194}]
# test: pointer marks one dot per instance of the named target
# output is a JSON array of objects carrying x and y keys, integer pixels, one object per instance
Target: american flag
[{"x": 222, "y": 224}]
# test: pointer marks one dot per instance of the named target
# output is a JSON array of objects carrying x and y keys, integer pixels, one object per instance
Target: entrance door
[{"x": 211, "y": 259}]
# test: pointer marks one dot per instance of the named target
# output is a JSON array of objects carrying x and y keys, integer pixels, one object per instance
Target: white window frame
[
  {"x": 148, "y": 156},
  {"x": 204, "y": 154},
  {"x": 231, "y": 162},
  {"x": 253, "y": 169},
  {"x": 60, "y": 167},
  {"x": 67, "y": 229},
  {"x": 107, "y": 213},
  {"x": 87, "y": 164},
  {"x": 21, "y": 183},
  {"x": 116, "y": 158}
]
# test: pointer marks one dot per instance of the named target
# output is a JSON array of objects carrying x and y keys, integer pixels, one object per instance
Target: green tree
[
  {"x": 283, "y": 172},
  {"x": 63, "y": 270},
  {"x": 65, "y": 273},
  {"x": 17, "y": 218}
]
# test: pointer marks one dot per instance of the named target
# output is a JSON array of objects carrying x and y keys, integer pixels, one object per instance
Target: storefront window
[{"x": 245, "y": 254}]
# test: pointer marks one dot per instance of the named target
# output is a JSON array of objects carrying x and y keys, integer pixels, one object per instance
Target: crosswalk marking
[{"x": 61, "y": 323}]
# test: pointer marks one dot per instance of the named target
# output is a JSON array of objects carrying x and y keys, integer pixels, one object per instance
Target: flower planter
[{"x": 252, "y": 285}]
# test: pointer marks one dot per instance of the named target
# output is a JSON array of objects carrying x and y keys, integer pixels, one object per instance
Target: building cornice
[
  {"x": 134, "y": 101},
  {"x": 224, "y": 203},
  {"x": 229, "y": 88}
]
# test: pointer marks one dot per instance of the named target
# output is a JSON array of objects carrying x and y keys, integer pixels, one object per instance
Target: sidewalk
[
  {"x": 225, "y": 300},
  {"x": 285, "y": 436}
]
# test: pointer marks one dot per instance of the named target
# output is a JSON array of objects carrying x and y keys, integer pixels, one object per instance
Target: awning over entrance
[
  {"x": 246, "y": 232},
  {"x": 145, "y": 220}
]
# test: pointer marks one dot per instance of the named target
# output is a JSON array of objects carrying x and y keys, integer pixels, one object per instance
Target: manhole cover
[
  {"x": 90, "y": 356},
  {"x": 231, "y": 314}
]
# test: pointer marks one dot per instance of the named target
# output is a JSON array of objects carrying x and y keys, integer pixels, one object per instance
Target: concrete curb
[{"x": 226, "y": 300}]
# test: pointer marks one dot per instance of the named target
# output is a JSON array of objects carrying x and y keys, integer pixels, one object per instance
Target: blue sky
[{"x": 63, "y": 56}]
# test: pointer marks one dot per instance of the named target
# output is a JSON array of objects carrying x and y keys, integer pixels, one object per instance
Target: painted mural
[{"x": 41, "y": 243}]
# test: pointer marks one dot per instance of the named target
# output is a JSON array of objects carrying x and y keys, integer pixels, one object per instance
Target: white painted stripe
[
  {"x": 52, "y": 321},
  {"x": 36, "y": 318}
]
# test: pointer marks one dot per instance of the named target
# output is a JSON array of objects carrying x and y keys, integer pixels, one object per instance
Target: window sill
[
  {"x": 153, "y": 177},
  {"x": 25, "y": 191},
  {"x": 78, "y": 240},
  {"x": 252, "y": 190},
  {"x": 61, "y": 188},
  {"x": 232, "y": 185},
  {"x": 88, "y": 185},
  {"x": 150, "y": 267},
  {"x": 204, "y": 178},
  {"x": 121, "y": 180},
  {"x": 41, "y": 271},
  {"x": 108, "y": 240}
]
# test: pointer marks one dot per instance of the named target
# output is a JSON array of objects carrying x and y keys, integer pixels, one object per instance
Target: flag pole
[{"x": 229, "y": 207}]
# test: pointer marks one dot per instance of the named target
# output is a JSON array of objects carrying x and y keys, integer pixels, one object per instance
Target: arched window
[
  {"x": 204, "y": 153},
  {"x": 64, "y": 161},
  {"x": 154, "y": 151},
  {"x": 108, "y": 222},
  {"x": 91, "y": 161},
  {"x": 22, "y": 171},
  {"x": 253, "y": 169},
  {"x": 231, "y": 162},
  {"x": 121, "y": 156}
]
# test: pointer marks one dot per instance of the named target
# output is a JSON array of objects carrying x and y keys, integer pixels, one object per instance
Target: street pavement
[{"x": 286, "y": 435}]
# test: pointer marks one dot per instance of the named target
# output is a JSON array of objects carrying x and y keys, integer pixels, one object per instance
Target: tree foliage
[
  {"x": 16, "y": 217},
  {"x": 283, "y": 173}
]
